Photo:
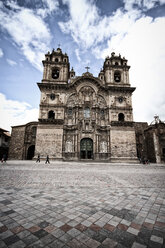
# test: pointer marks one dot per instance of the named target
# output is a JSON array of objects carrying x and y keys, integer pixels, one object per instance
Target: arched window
[
  {"x": 121, "y": 117},
  {"x": 55, "y": 73},
  {"x": 117, "y": 76},
  {"x": 56, "y": 59},
  {"x": 116, "y": 63},
  {"x": 51, "y": 115},
  {"x": 70, "y": 111},
  {"x": 34, "y": 130},
  {"x": 87, "y": 112}
]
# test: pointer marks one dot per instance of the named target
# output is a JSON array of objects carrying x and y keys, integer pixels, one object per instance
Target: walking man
[
  {"x": 47, "y": 160},
  {"x": 38, "y": 159}
]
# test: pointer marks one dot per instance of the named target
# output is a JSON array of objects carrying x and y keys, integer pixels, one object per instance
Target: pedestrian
[
  {"x": 47, "y": 160},
  {"x": 4, "y": 158},
  {"x": 38, "y": 159}
]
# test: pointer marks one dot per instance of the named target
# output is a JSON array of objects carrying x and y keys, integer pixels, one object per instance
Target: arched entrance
[
  {"x": 30, "y": 152},
  {"x": 86, "y": 148}
]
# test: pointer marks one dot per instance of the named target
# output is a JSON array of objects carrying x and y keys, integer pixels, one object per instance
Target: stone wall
[
  {"x": 49, "y": 141},
  {"x": 123, "y": 145},
  {"x": 16, "y": 148}
]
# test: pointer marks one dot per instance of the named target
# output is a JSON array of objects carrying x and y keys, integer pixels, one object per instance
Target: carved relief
[
  {"x": 103, "y": 147},
  {"x": 68, "y": 146}
]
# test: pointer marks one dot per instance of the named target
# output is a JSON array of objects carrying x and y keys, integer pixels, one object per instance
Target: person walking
[
  {"x": 38, "y": 159},
  {"x": 47, "y": 160},
  {"x": 4, "y": 158}
]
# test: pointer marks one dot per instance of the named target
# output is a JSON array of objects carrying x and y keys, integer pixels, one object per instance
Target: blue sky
[{"x": 88, "y": 31}]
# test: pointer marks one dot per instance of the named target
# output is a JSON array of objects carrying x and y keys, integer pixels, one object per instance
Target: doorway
[
  {"x": 86, "y": 148},
  {"x": 30, "y": 152}
]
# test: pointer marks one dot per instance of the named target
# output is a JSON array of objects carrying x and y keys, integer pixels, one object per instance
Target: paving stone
[
  {"x": 133, "y": 231},
  {"x": 10, "y": 240},
  {"x": 65, "y": 228},
  {"x": 109, "y": 243},
  {"x": 30, "y": 239},
  {"x": 137, "y": 245},
  {"x": 40, "y": 233},
  {"x": 56, "y": 244},
  {"x": 74, "y": 232},
  {"x": 157, "y": 239},
  {"x": 66, "y": 238},
  {"x": 18, "y": 244},
  {"x": 81, "y": 227},
  {"x": 74, "y": 243},
  {"x": 129, "y": 209}
]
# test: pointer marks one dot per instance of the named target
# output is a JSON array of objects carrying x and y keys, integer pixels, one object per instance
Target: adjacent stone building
[
  {"x": 4, "y": 142},
  {"x": 81, "y": 117}
]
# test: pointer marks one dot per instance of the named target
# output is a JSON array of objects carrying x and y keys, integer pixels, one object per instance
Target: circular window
[
  {"x": 120, "y": 99},
  {"x": 55, "y": 73},
  {"x": 52, "y": 96}
]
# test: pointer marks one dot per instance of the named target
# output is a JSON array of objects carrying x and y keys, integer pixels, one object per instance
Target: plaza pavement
[{"x": 71, "y": 204}]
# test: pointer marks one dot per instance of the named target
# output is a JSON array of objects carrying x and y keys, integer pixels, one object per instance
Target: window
[
  {"x": 51, "y": 115},
  {"x": 102, "y": 112},
  {"x": 87, "y": 112},
  {"x": 121, "y": 117},
  {"x": 116, "y": 63},
  {"x": 56, "y": 60},
  {"x": 164, "y": 151},
  {"x": 120, "y": 99},
  {"x": 117, "y": 76},
  {"x": 55, "y": 73},
  {"x": 52, "y": 96},
  {"x": 70, "y": 111},
  {"x": 34, "y": 129}
]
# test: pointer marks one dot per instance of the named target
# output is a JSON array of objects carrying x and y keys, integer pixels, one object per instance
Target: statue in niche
[
  {"x": 68, "y": 146},
  {"x": 101, "y": 101},
  {"x": 103, "y": 147},
  {"x": 72, "y": 100}
]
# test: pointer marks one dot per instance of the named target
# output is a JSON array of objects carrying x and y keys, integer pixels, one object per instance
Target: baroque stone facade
[{"x": 81, "y": 117}]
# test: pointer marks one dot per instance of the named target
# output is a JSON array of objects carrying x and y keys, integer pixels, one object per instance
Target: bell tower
[
  {"x": 115, "y": 74},
  {"x": 56, "y": 67},
  {"x": 116, "y": 70}
]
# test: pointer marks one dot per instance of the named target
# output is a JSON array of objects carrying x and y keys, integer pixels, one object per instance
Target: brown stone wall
[
  {"x": 123, "y": 144},
  {"x": 49, "y": 141},
  {"x": 16, "y": 148}
]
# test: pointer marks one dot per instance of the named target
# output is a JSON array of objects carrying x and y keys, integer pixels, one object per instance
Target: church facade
[{"x": 80, "y": 117}]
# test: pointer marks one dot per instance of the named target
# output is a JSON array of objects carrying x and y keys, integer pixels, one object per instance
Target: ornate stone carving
[
  {"x": 68, "y": 146},
  {"x": 103, "y": 147}
]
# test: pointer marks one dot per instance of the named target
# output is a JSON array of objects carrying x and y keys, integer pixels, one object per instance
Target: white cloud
[
  {"x": 127, "y": 31},
  {"x": 28, "y": 31},
  {"x": 49, "y": 7},
  {"x": 77, "y": 52},
  {"x": 142, "y": 4},
  {"x": 144, "y": 47},
  {"x": 11, "y": 62},
  {"x": 88, "y": 28},
  {"x": 15, "y": 113},
  {"x": 1, "y": 53}
]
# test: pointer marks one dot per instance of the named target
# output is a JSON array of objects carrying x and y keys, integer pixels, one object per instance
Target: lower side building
[{"x": 111, "y": 144}]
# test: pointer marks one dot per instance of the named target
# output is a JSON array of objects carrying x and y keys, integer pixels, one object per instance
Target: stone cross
[{"x": 87, "y": 67}]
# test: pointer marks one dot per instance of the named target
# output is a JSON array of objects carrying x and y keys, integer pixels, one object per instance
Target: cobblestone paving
[{"x": 76, "y": 205}]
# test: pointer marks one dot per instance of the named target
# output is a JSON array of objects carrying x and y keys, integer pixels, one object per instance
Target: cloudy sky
[{"x": 88, "y": 31}]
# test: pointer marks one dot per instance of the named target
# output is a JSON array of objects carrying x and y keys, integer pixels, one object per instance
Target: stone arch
[
  {"x": 86, "y": 148},
  {"x": 121, "y": 117},
  {"x": 30, "y": 152},
  {"x": 117, "y": 76},
  {"x": 51, "y": 115}
]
